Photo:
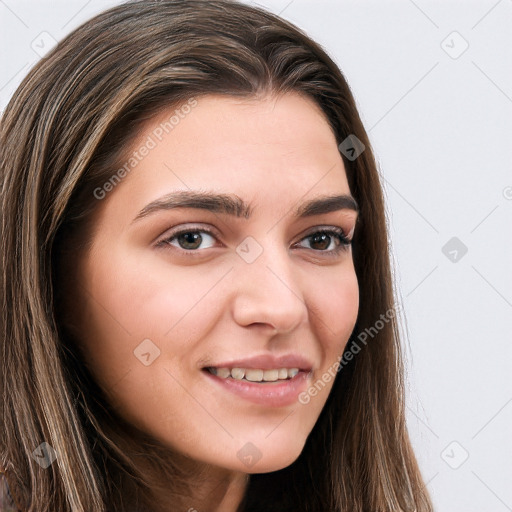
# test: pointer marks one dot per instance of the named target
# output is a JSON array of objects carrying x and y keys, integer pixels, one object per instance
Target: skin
[{"x": 273, "y": 152}]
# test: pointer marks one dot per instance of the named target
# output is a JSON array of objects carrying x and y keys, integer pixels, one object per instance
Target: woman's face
[{"x": 174, "y": 290}]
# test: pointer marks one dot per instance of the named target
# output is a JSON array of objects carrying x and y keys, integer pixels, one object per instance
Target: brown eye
[
  {"x": 188, "y": 240},
  {"x": 322, "y": 239}
]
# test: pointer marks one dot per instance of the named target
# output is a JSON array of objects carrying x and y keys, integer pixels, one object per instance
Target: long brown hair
[{"x": 61, "y": 136}]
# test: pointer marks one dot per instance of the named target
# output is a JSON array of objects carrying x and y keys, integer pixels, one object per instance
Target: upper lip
[{"x": 267, "y": 362}]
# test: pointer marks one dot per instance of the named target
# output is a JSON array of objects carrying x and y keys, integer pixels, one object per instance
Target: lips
[
  {"x": 257, "y": 379},
  {"x": 267, "y": 362}
]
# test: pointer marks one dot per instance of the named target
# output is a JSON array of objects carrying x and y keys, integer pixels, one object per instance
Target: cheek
[
  {"x": 335, "y": 301},
  {"x": 143, "y": 295},
  {"x": 140, "y": 327},
  {"x": 129, "y": 300},
  {"x": 335, "y": 308}
]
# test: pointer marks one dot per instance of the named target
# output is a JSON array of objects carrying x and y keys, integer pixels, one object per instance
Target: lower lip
[{"x": 272, "y": 394}]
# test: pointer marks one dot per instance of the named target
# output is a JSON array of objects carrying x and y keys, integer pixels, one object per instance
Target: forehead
[
  {"x": 230, "y": 135},
  {"x": 278, "y": 147}
]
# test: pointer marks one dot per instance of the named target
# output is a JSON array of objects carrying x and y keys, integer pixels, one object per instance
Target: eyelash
[{"x": 344, "y": 242}]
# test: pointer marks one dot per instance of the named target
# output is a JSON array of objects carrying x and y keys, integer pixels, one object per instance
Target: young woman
[{"x": 197, "y": 308}]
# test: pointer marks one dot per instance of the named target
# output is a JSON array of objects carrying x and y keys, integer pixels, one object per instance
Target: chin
[
  {"x": 273, "y": 465},
  {"x": 273, "y": 457}
]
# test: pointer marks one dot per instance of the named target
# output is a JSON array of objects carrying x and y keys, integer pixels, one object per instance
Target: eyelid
[{"x": 328, "y": 227}]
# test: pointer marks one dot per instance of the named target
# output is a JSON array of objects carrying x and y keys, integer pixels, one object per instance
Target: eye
[
  {"x": 328, "y": 240},
  {"x": 187, "y": 239}
]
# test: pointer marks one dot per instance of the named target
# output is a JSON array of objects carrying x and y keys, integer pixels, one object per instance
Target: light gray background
[{"x": 439, "y": 116}]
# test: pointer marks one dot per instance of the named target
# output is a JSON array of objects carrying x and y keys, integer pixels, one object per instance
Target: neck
[
  {"x": 217, "y": 491},
  {"x": 195, "y": 487}
]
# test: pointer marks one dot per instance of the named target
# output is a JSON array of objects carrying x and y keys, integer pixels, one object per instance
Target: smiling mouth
[
  {"x": 254, "y": 374},
  {"x": 270, "y": 387}
]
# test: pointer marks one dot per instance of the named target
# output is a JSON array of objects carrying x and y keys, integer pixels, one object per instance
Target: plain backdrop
[{"x": 433, "y": 83}]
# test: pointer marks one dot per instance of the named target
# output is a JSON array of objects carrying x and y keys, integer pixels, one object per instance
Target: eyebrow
[{"x": 233, "y": 205}]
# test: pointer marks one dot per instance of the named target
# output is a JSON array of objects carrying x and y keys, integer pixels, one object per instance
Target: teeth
[
  {"x": 270, "y": 375},
  {"x": 224, "y": 373},
  {"x": 236, "y": 373},
  {"x": 282, "y": 373},
  {"x": 255, "y": 375}
]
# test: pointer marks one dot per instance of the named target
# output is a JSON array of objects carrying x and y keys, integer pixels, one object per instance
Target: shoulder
[{"x": 6, "y": 500}]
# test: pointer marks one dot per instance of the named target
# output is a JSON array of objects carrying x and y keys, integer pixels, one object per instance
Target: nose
[{"x": 268, "y": 292}]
